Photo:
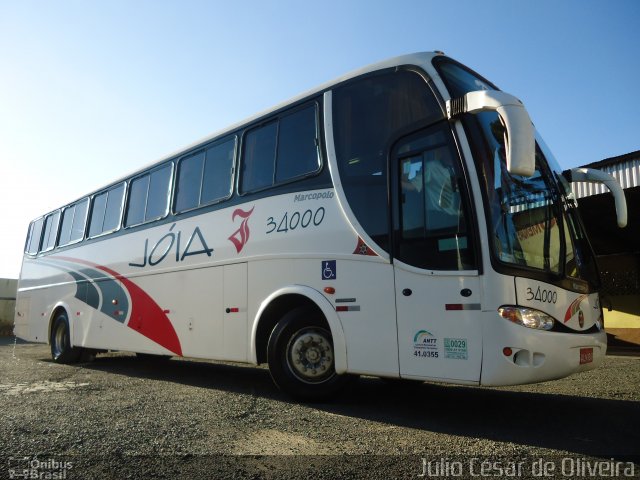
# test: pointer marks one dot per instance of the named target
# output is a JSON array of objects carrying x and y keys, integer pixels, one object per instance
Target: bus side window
[
  {"x": 79, "y": 220},
  {"x": 98, "y": 207},
  {"x": 297, "y": 145},
  {"x": 149, "y": 196},
  {"x": 67, "y": 223},
  {"x": 106, "y": 211},
  {"x": 205, "y": 177},
  {"x": 137, "y": 201},
  {"x": 368, "y": 115},
  {"x": 282, "y": 150},
  {"x": 158, "y": 196},
  {"x": 35, "y": 234},
  {"x": 217, "y": 179},
  {"x": 189, "y": 182},
  {"x": 74, "y": 218},
  {"x": 258, "y": 161},
  {"x": 50, "y": 231}
]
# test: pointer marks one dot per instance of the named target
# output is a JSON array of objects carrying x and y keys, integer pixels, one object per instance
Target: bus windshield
[{"x": 533, "y": 222}]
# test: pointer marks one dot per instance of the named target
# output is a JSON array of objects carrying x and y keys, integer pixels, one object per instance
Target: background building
[
  {"x": 7, "y": 305},
  {"x": 617, "y": 249}
]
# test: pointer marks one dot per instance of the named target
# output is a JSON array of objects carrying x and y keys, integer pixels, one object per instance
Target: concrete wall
[{"x": 8, "y": 288}]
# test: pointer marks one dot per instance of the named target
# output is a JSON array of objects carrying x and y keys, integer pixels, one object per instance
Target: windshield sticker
[
  {"x": 455, "y": 348},
  {"x": 425, "y": 345}
]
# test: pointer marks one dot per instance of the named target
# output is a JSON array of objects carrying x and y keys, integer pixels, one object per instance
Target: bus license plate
[{"x": 586, "y": 355}]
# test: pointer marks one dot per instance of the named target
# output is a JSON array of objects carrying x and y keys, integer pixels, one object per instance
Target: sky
[{"x": 93, "y": 90}]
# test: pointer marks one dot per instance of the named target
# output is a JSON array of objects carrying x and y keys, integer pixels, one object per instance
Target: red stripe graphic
[
  {"x": 147, "y": 317},
  {"x": 573, "y": 308},
  {"x": 363, "y": 249}
]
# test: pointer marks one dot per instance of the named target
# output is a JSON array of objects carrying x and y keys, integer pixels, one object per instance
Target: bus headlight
[{"x": 527, "y": 317}]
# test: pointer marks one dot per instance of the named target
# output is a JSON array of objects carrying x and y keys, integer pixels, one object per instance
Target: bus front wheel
[
  {"x": 301, "y": 358},
  {"x": 61, "y": 349}
]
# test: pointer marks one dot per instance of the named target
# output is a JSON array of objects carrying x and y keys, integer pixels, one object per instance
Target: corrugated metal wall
[{"x": 627, "y": 173}]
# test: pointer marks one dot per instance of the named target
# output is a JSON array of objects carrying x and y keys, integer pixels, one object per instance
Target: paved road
[{"x": 120, "y": 417}]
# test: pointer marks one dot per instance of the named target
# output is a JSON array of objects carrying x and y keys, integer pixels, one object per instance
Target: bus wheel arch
[
  {"x": 57, "y": 310},
  {"x": 60, "y": 334},
  {"x": 275, "y": 307}
]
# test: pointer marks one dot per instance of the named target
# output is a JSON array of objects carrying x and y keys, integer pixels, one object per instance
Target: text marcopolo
[{"x": 302, "y": 197}]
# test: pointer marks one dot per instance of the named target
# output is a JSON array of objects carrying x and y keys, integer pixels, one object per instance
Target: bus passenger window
[
  {"x": 369, "y": 114},
  {"x": 218, "y": 179},
  {"x": 158, "y": 196},
  {"x": 189, "y": 182},
  {"x": 206, "y": 176},
  {"x": 149, "y": 196},
  {"x": 282, "y": 150},
  {"x": 106, "y": 211},
  {"x": 259, "y": 157},
  {"x": 67, "y": 223},
  {"x": 114, "y": 209},
  {"x": 97, "y": 214},
  {"x": 137, "y": 201},
  {"x": 297, "y": 145},
  {"x": 50, "y": 231},
  {"x": 73, "y": 222},
  {"x": 79, "y": 220},
  {"x": 35, "y": 234}
]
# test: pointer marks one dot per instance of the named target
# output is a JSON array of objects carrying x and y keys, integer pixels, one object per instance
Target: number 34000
[{"x": 541, "y": 295}]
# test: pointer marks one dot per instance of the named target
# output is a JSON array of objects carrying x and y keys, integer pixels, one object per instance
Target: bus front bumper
[{"x": 515, "y": 355}]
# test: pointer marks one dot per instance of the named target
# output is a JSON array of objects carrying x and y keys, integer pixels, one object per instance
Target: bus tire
[
  {"x": 61, "y": 349},
  {"x": 301, "y": 357}
]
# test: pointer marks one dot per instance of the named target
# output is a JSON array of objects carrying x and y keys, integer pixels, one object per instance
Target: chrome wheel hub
[{"x": 310, "y": 355}]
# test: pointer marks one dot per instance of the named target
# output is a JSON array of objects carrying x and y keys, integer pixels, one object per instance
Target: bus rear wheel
[
  {"x": 61, "y": 349},
  {"x": 301, "y": 358}
]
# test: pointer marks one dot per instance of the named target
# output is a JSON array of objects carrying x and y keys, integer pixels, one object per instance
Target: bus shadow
[{"x": 580, "y": 425}]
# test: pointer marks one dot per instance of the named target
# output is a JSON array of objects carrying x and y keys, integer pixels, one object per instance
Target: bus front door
[{"x": 438, "y": 296}]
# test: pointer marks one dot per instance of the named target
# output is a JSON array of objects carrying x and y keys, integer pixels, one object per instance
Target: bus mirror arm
[
  {"x": 597, "y": 176},
  {"x": 519, "y": 141}
]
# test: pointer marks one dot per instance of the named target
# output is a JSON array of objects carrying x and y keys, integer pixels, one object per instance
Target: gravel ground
[{"x": 120, "y": 417}]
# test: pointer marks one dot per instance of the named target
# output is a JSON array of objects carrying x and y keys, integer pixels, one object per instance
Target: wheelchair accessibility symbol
[{"x": 328, "y": 270}]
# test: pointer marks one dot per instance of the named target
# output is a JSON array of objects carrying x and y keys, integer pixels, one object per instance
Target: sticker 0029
[{"x": 455, "y": 348}]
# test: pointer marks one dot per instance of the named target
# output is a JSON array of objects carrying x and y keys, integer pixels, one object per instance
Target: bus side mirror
[
  {"x": 597, "y": 176},
  {"x": 519, "y": 138}
]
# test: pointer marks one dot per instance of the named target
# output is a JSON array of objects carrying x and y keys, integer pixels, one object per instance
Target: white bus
[{"x": 404, "y": 221}]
